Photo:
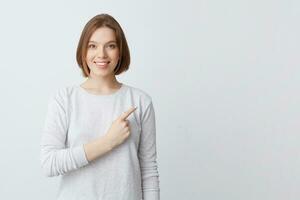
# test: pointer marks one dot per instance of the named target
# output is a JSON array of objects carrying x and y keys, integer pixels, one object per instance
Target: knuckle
[{"x": 126, "y": 134}]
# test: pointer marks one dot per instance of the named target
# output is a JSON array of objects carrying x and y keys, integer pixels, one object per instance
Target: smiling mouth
[{"x": 102, "y": 64}]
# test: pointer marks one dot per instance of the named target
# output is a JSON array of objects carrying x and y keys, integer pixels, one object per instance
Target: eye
[
  {"x": 112, "y": 46},
  {"x": 91, "y": 46}
]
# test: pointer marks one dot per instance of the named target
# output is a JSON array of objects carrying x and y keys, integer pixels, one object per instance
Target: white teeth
[{"x": 101, "y": 63}]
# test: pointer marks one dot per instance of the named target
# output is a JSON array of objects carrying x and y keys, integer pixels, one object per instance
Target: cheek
[
  {"x": 89, "y": 60},
  {"x": 115, "y": 55},
  {"x": 89, "y": 55}
]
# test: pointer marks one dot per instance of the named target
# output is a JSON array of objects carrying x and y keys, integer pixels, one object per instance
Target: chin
[{"x": 102, "y": 73}]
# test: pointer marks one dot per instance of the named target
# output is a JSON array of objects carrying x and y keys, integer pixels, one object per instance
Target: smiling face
[{"x": 102, "y": 53}]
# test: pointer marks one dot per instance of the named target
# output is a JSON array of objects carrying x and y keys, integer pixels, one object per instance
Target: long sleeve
[
  {"x": 147, "y": 156},
  {"x": 55, "y": 158}
]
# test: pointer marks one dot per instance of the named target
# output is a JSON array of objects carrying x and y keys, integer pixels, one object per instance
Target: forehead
[{"x": 103, "y": 35}]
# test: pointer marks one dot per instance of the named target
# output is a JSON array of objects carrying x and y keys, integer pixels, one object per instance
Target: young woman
[{"x": 100, "y": 136}]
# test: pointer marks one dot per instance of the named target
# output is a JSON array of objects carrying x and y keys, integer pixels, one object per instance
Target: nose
[{"x": 101, "y": 53}]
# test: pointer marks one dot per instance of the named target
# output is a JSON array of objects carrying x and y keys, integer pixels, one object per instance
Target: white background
[{"x": 224, "y": 77}]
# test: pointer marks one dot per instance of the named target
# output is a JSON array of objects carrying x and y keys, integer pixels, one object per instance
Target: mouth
[{"x": 102, "y": 64}]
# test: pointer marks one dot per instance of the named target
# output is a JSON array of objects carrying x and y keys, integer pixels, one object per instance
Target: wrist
[{"x": 107, "y": 143}]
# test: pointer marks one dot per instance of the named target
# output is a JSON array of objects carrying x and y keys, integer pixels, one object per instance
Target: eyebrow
[{"x": 91, "y": 41}]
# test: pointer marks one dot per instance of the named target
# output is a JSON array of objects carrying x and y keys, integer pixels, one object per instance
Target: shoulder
[
  {"x": 140, "y": 94},
  {"x": 142, "y": 100},
  {"x": 62, "y": 94}
]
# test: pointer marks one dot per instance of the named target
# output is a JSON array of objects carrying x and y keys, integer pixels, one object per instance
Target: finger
[
  {"x": 127, "y": 113},
  {"x": 126, "y": 122}
]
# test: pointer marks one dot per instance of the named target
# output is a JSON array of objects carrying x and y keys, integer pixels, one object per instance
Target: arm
[
  {"x": 147, "y": 156},
  {"x": 116, "y": 135},
  {"x": 56, "y": 159},
  {"x": 96, "y": 148}
]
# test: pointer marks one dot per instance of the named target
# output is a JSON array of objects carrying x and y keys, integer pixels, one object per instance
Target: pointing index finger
[{"x": 127, "y": 113}]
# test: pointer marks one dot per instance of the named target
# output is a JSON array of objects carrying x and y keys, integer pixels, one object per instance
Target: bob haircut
[{"x": 103, "y": 20}]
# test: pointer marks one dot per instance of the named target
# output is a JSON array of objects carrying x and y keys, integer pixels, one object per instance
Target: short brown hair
[{"x": 102, "y": 20}]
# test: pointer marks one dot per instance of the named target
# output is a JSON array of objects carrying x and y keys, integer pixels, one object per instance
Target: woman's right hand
[{"x": 119, "y": 131}]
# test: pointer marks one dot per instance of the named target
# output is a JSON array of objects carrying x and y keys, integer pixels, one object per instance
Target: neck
[{"x": 102, "y": 83}]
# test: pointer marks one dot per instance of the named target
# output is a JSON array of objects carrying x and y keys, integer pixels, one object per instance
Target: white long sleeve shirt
[{"x": 75, "y": 117}]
